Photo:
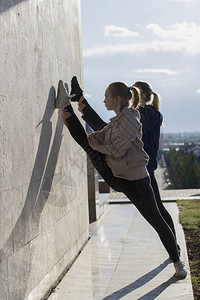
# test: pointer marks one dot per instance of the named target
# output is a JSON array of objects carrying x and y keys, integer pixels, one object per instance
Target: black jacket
[{"x": 151, "y": 120}]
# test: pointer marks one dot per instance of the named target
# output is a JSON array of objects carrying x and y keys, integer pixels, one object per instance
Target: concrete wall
[{"x": 43, "y": 182}]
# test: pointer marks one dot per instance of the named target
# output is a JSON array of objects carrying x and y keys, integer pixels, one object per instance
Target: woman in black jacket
[{"x": 151, "y": 120}]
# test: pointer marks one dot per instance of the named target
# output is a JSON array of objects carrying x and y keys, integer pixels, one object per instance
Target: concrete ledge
[
  {"x": 173, "y": 199},
  {"x": 51, "y": 280}
]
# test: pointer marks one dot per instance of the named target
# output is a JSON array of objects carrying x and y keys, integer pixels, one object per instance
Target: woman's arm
[{"x": 93, "y": 142}]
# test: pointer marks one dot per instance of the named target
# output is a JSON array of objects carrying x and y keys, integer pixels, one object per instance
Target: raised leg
[
  {"x": 92, "y": 118},
  {"x": 98, "y": 159}
]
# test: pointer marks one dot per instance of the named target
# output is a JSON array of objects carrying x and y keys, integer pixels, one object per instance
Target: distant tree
[
  {"x": 183, "y": 168},
  {"x": 192, "y": 172}
]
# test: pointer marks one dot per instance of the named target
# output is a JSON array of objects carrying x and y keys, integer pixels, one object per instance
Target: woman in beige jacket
[{"x": 117, "y": 153}]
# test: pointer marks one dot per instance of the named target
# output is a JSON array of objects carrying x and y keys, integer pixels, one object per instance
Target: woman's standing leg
[
  {"x": 141, "y": 195},
  {"x": 161, "y": 207},
  {"x": 165, "y": 214}
]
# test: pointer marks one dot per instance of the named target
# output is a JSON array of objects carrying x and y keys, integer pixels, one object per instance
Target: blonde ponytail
[
  {"x": 146, "y": 92},
  {"x": 136, "y": 96},
  {"x": 156, "y": 101}
]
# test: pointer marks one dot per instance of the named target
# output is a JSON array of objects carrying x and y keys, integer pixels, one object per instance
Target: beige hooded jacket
[{"x": 121, "y": 143}]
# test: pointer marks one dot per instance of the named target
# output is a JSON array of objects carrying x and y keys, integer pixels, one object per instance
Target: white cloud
[
  {"x": 179, "y": 37},
  {"x": 116, "y": 31},
  {"x": 182, "y": 1},
  {"x": 156, "y": 71},
  {"x": 198, "y": 92},
  {"x": 181, "y": 31},
  {"x": 136, "y": 48},
  {"x": 185, "y": 34}
]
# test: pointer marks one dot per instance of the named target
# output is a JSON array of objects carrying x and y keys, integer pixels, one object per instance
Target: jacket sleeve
[
  {"x": 98, "y": 135},
  {"x": 122, "y": 138}
]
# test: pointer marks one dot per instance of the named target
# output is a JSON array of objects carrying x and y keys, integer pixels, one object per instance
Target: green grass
[
  {"x": 195, "y": 281},
  {"x": 189, "y": 215}
]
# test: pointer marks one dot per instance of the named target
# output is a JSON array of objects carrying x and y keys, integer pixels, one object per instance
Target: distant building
[{"x": 196, "y": 150}]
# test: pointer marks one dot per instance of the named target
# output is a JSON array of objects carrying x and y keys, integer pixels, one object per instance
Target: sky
[{"x": 157, "y": 41}]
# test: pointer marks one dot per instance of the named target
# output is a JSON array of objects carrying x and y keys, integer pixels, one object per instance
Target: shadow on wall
[
  {"x": 27, "y": 225},
  {"x": 6, "y": 4}
]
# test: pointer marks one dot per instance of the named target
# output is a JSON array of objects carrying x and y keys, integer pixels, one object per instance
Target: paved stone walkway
[{"x": 124, "y": 259}]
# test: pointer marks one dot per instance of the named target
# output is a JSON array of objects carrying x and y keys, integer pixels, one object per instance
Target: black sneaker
[{"x": 75, "y": 89}]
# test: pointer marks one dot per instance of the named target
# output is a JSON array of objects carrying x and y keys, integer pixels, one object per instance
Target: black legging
[
  {"x": 138, "y": 191},
  {"x": 96, "y": 123},
  {"x": 161, "y": 207}
]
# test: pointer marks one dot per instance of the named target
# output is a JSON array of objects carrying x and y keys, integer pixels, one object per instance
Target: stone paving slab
[{"x": 124, "y": 259}]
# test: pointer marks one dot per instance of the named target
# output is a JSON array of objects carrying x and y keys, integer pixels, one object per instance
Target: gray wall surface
[{"x": 43, "y": 172}]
